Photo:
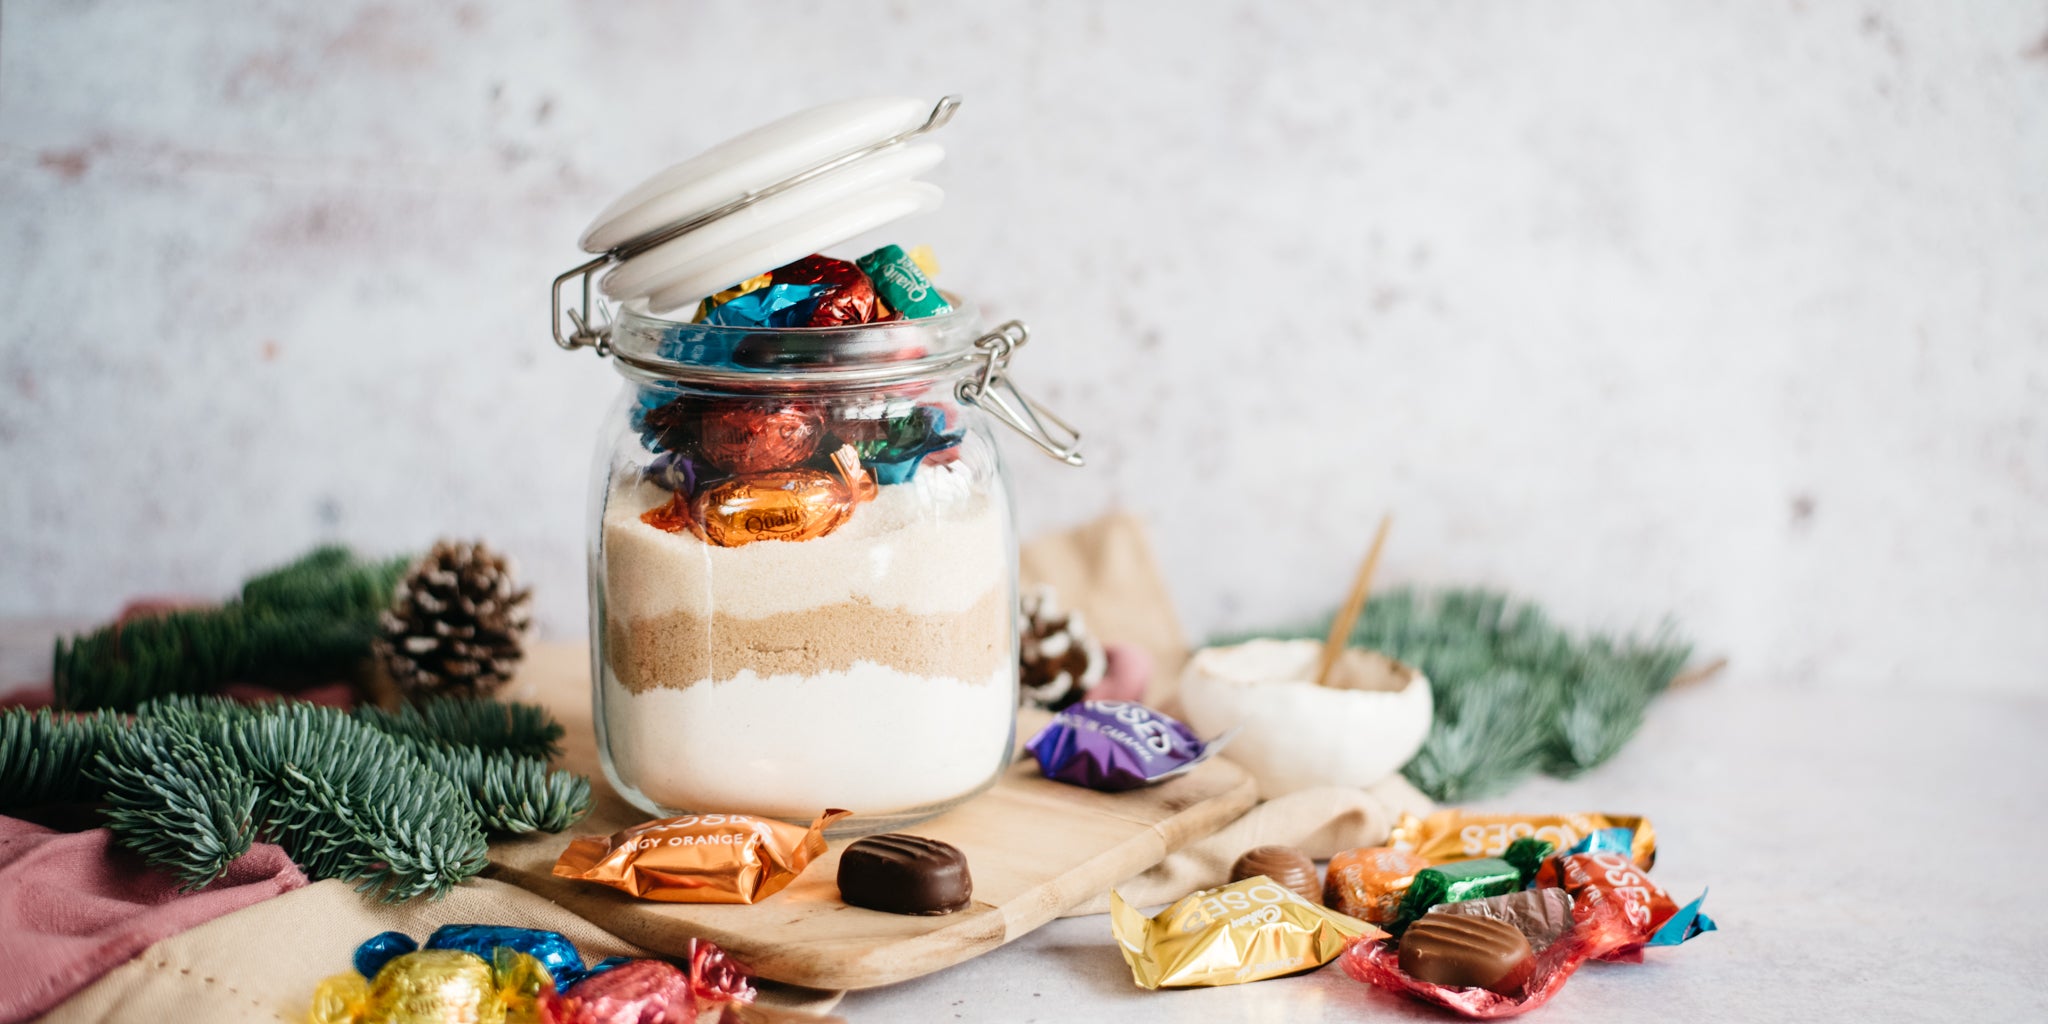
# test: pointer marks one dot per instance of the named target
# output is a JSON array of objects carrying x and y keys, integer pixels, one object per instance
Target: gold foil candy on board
[
  {"x": 793, "y": 504},
  {"x": 1463, "y": 835},
  {"x": 699, "y": 858},
  {"x": 432, "y": 986},
  {"x": 1244, "y": 931}
]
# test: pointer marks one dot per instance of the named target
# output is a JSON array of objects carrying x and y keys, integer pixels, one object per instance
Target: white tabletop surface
[{"x": 1871, "y": 857}]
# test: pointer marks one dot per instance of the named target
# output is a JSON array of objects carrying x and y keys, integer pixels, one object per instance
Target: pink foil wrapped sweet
[{"x": 657, "y": 992}]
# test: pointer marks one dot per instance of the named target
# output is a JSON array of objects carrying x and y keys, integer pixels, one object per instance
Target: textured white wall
[{"x": 1737, "y": 312}]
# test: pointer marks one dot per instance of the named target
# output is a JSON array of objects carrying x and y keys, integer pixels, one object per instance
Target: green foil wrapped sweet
[
  {"x": 902, "y": 285},
  {"x": 1463, "y": 880}
]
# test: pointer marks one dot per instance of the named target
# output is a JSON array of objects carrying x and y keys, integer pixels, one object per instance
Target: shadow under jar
[{"x": 803, "y": 567}]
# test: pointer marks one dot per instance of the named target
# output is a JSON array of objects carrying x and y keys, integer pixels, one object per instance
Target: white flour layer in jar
[
  {"x": 870, "y": 669},
  {"x": 871, "y": 740}
]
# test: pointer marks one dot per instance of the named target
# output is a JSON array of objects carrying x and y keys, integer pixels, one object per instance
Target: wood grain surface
[{"x": 1034, "y": 848}]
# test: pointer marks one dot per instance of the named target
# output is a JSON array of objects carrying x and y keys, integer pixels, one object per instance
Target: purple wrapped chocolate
[{"x": 1114, "y": 745}]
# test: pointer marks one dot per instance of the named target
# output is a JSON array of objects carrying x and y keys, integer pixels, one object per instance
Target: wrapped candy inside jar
[{"x": 803, "y": 566}]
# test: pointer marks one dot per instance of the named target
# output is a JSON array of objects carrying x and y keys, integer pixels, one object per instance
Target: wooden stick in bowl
[{"x": 1340, "y": 627}]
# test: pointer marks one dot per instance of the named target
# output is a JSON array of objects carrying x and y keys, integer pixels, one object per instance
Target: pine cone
[
  {"x": 456, "y": 624},
  {"x": 1057, "y": 658}
]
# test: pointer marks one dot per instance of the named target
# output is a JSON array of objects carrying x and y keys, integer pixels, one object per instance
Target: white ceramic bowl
[{"x": 1293, "y": 734}]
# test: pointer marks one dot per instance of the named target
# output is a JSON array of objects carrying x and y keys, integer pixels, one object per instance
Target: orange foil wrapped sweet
[
  {"x": 1462, "y": 835},
  {"x": 1369, "y": 882},
  {"x": 791, "y": 504},
  {"x": 699, "y": 858}
]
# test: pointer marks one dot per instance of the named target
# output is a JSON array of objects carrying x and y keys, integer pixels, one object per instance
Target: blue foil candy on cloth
[
  {"x": 553, "y": 949},
  {"x": 1114, "y": 745},
  {"x": 778, "y": 305},
  {"x": 378, "y": 950}
]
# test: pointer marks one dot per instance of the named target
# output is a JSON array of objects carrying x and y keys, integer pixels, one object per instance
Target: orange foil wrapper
[
  {"x": 1460, "y": 835},
  {"x": 699, "y": 858},
  {"x": 795, "y": 504},
  {"x": 1368, "y": 883}
]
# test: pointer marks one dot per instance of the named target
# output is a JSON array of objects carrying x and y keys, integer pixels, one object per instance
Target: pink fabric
[{"x": 74, "y": 906}]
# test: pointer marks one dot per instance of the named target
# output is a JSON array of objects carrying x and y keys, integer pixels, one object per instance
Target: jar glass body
[{"x": 771, "y": 634}]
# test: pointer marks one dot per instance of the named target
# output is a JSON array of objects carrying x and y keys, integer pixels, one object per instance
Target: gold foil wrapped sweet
[
  {"x": 433, "y": 986},
  {"x": 699, "y": 858},
  {"x": 1462, "y": 835},
  {"x": 1368, "y": 882},
  {"x": 792, "y": 504},
  {"x": 1244, "y": 931}
]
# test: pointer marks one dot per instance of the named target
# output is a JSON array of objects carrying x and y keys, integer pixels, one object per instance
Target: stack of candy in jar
[
  {"x": 776, "y": 469},
  {"x": 491, "y": 974}
]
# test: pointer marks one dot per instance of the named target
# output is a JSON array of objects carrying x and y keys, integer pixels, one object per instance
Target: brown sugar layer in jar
[{"x": 681, "y": 649}]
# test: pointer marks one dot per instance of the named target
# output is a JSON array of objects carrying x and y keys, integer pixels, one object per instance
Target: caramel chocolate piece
[
  {"x": 1283, "y": 864},
  {"x": 1542, "y": 915},
  {"x": 899, "y": 874},
  {"x": 1464, "y": 951}
]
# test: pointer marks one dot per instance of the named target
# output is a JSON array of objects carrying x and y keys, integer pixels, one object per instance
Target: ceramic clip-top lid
[{"x": 771, "y": 196}]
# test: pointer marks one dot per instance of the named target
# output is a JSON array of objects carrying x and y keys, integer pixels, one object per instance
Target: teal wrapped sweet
[{"x": 1479, "y": 879}]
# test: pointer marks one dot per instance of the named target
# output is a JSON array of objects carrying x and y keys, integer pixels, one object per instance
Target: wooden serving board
[{"x": 1034, "y": 848}]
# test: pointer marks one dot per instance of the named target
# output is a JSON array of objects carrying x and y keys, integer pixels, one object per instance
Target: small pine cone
[
  {"x": 456, "y": 624},
  {"x": 1057, "y": 658}
]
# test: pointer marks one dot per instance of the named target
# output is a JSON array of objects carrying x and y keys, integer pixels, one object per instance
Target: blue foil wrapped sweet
[
  {"x": 778, "y": 305},
  {"x": 1114, "y": 745},
  {"x": 553, "y": 949},
  {"x": 381, "y": 949}
]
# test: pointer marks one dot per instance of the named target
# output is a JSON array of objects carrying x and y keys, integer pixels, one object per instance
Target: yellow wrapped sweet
[
  {"x": 1463, "y": 835},
  {"x": 1244, "y": 931},
  {"x": 438, "y": 986}
]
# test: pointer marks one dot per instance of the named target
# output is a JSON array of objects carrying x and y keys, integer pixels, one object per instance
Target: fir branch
[
  {"x": 523, "y": 730},
  {"x": 176, "y": 801},
  {"x": 312, "y": 619},
  {"x": 328, "y": 580},
  {"x": 347, "y": 801},
  {"x": 512, "y": 794},
  {"x": 44, "y": 756}
]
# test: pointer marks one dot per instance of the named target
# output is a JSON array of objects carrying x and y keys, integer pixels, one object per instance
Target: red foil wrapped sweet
[
  {"x": 641, "y": 992},
  {"x": 1605, "y": 878},
  {"x": 847, "y": 296},
  {"x": 657, "y": 992},
  {"x": 1596, "y": 927},
  {"x": 759, "y": 438}
]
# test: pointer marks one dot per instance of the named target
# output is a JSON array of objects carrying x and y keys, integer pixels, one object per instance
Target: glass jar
[{"x": 803, "y": 567}]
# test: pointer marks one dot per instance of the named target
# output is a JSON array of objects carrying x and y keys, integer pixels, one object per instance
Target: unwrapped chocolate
[
  {"x": 699, "y": 858},
  {"x": 1462, "y": 835},
  {"x": 1369, "y": 882},
  {"x": 1115, "y": 745},
  {"x": 1244, "y": 931}
]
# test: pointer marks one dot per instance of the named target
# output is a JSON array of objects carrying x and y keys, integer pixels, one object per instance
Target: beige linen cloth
[{"x": 261, "y": 964}]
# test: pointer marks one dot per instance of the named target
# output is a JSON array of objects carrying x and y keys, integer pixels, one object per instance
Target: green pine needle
[
  {"x": 311, "y": 620},
  {"x": 44, "y": 755},
  {"x": 512, "y": 794},
  {"x": 192, "y": 780},
  {"x": 522, "y": 730},
  {"x": 177, "y": 802},
  {"x": 1514, "y": 693}
]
